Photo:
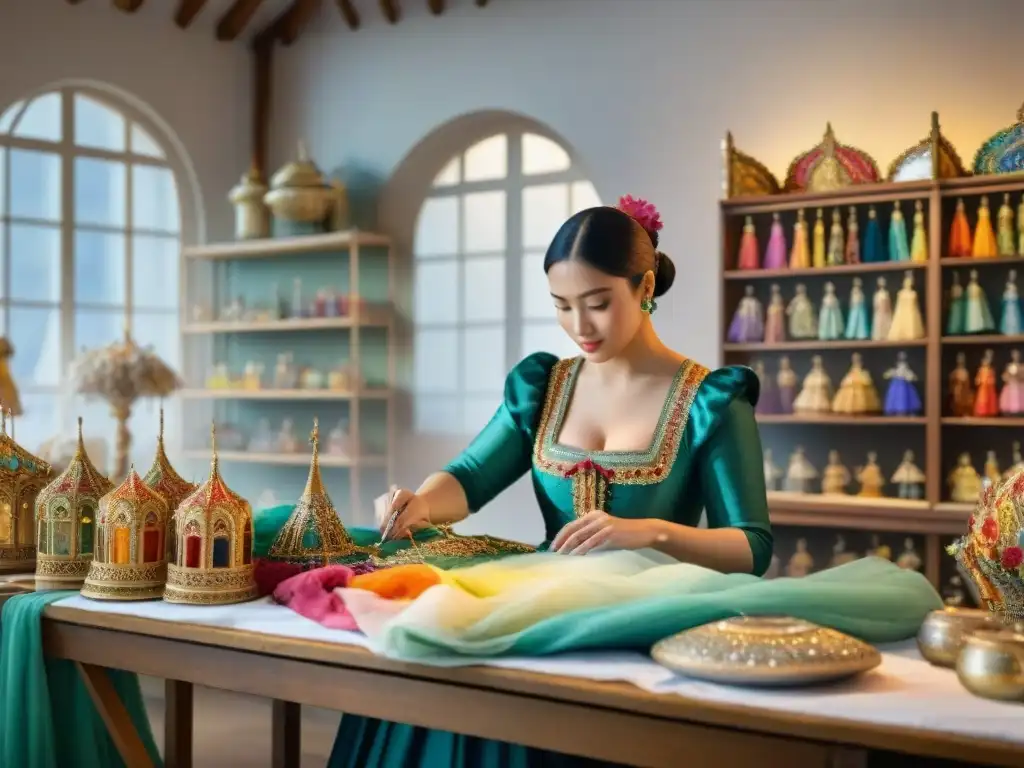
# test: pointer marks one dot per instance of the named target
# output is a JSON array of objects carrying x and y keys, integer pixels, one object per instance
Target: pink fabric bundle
[{"x": 311, "y": 594}]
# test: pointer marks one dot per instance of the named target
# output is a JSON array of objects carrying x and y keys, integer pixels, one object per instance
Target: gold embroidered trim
[
  {"x": 591, "y": 487},
  {"x": 451, "y": 544}
]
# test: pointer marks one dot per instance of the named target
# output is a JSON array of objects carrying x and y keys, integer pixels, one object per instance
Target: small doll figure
[
  {"x": 909, "y": 478},
  {"x": 785, "y": 379},
  {"x": 986, "y": 402},
  {"x": 1016, "y": 461},
  {"x": 775, "y": 322},
  {"x": 816, "y": 393},
  {"x": 801, "y": 563},
  {"x": 902, "y": 397},
  {"x": 978, "y": 317},
  {"x": 953, "y": 593},
  {"x": 960, "y": 233},
  {"x": 840, "y": 554},
  {"x": 852, "y": 254},
  {"x": 874, "y": 246},
  {"x": 748, "y": 323},
  {"x": 830, "y": 315},
  {"x": 964, "y": 481},
  {"x": 907, "y": 323},
  {"x": 800, "y": 473},
  {"x": 748, "y": 255},
  {"x": 990, "y": 470},
  {"x": 1011, "y": 398},
  {"x": 818, "y": 257},
  {"x": 800, "y": 254},
  {"x": 1010, "y": 318},
  {"x": 857, "y": 318},
  {"x": 878, "y": 549},
  {"x": 984, "y": 245},
  {"x": 768, "y": 402},
  {"x": 1020, "y": 227},
  {"x": 956, "y": 319},
  {"x": 870, "y": 477},
  {"x": 835, "y": 477},
  {"x": 772, "y": 472},
  {"x": 881, "y": 312},
  {"x": 919, "y": 242},
  {"x": 899, "y": 249},
  {"x": 857, "y": 394},
  {"x": 775, "y": 252},
  {"x": 909, "y": 559},
  {"x": 961, "y": 388},
  {"x": 802, "y": 323},
  {"x": 835, "y": 240},
  {"x": 1006, "y": 244}
]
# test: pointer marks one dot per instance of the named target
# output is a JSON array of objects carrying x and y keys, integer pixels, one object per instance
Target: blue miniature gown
[
  {"x": 874, "y": 245},
  {"x": 857, "y": 326},
  {"x": 705, "y": 454},
  {"x": 1010, "y": 318}
]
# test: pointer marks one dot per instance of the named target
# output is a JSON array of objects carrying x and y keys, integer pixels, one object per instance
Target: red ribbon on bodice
[{"x": 590, "y": 464}]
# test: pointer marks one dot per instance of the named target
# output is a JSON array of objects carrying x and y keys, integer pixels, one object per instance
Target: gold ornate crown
[
  {"x": 212, "y": 551},
  {"x": 22, "y": 477},
  {"x": 129, "y": 562},
  {"x": 65, "y": 516},
  {"x": 163, "y": 479}
]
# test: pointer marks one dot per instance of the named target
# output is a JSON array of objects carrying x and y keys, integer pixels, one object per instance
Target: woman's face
[{"x": 601, "y": 313}]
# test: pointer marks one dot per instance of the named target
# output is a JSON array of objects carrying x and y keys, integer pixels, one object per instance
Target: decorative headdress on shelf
[
  {"x": 745, "y": 176},
  {"x": 830, "y": 166},
  {"x": 129, "y": 561},
  {"x": 992, "y": 551},
  {"x": 163, "y": 479},
  {"x": 934, "y": 157},
  {"x": 212, "y": 549},
  {"x": 22, "y": 477},
  {"x": 1003, "y": 152},
  {"x": 65, "y": 519}
]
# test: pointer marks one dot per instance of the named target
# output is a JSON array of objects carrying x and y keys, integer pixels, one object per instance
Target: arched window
[
  {"x": 90, "y": 229},
  {"x": 481, "y": 300}
]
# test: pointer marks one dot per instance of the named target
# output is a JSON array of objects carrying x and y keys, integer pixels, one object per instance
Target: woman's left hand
[{"x": 598, "y": 530}]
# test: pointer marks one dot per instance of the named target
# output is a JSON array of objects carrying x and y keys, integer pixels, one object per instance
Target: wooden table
[{"x": 616, "y": 722}]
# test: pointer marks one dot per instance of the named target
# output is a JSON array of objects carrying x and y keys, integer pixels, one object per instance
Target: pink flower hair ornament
[{"x": 643, "y": 213}]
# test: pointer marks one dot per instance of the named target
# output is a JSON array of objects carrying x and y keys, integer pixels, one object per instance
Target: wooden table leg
[
  {"x": 119, "y": 724},
  {"x": 178, "y": 697},
  {"x": 286, "y": 734}
]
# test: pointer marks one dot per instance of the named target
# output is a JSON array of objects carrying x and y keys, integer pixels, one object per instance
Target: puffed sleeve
[
  {"x": 502, "y": 452},
  {"x": 729, "y": 459}
]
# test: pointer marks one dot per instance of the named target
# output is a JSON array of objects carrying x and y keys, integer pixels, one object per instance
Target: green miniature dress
[{"x": 705, "y": 455}]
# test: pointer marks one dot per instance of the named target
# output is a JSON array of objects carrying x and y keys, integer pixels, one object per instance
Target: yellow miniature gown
[
  {"x": 818, "y": 256},
  {"x": 857, "y": 393},
  {"x": 799, "y": 255},
  {"x": 907, "y": 322},
  {"x": 870, "y": 477},
  {"x": 919, "y": 241},
  {"x": 1006, "y": 236},
  {"x": 964, "y": 481},
  {"x": 984, "y": 246}
]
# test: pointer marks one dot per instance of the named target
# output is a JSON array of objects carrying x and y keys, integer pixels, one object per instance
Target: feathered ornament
[{"x": 643, "y": 213}]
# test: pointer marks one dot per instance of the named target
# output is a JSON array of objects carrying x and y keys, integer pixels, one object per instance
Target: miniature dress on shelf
[
  {"x": 919, "y": 241},
  {"x": 964, "y": 481},
  {"x": 800, "y": 253},
  {"x": 835, "y": 477},
  {"x": 816, "y": 393},
  {"x": 990, "y": 470},
  {"x": 1020, "y": 227},
  {"x": 881, "y": 312},
  {"x": 961, "y": 388},
  {"x": 870, "y": 477},
  {"x": 956, "y": 317},
  {"x": 902, "y": 397},
  {"x": 748, "y": 255},
  {"x": 800, "y": 474},
  {"x": 1017, "y": 461},
  {"x": 852, "y": 252},
  {"x": 775, "y": 317},
  {"x": 801, "y": 563},
  {"x": 874, "y": 246},
  {"x": 960, "y": 241},
  {"x": 836, "y": 246},
  {"x": 899, "y": 248},
  {"x": 840, "y": 554},
  {"x": 830, "y": 315},
  {"x": 978, "y": 317},
  {"x": 857, "y": 393},
  {"x": 908, "y": 478},
  {"x": 1011, "y": 398},
  {"x": 748, "y": 323},
  {"x": 775, "y": 254},
  {"x": 802, "y": 322},
  {"x": 1010, "y": 318},
  {"x": 772, "y": 472},
  {"x": 878, "y": 549},
  {"x": 768, "y": 402},
  {"x": 984, "y": 245},
  {"x": 786, "y": 381},
  {"x": 857, "y": 326},
  {"x": 907, "y": 323},
  {"x": 1006, "y": 235},
  {"x": 986, "y": 401},
  {"x": 818, "y": 255},
  {"x": 909, "y": 559}
]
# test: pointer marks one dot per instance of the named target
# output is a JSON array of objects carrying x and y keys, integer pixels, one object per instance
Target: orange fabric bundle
[{"x": 403, "y": 582}]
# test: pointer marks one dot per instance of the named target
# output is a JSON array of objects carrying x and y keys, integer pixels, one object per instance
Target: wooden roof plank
[
  {"x": 187, "y": 12},
  {"x": 235, "y": 19},
  {"x": 390, "y": 10},
  {"x": 349, "y": 13},
  {"x": 128, "y": 6}
]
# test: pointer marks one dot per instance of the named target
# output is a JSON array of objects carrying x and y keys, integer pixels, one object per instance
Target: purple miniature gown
[
  {"x": 786, "y": 389},
  {"x": 769, "y": 401},
  {"x": 748, "y": 323},
  {"x": 776, "y": 254},
  {"x": 902, "y": 397}
]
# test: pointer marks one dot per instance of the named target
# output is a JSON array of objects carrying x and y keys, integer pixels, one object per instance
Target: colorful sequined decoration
[{"x": 591, "y": 486}]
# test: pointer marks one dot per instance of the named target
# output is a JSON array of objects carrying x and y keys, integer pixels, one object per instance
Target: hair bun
[
  {"x": 665, "y": 275},
  {"x": 643, "y": 213}
]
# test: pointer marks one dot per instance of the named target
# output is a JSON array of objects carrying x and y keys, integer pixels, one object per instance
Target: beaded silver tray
[{"x": 765, "y": 651}]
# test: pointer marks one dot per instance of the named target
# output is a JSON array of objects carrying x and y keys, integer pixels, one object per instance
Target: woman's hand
[
  {"x": 598, "y": 530},
  {"x": 415, "y": 513}
]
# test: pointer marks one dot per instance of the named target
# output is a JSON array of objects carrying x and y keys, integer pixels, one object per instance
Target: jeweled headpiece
[
  {"x": 212, "y": 550},
  {"x": 22, "y": 477},
  {"x": 66, "y": 521},
  {"x": 129, "y": 561},
  {"x": 934, "y": 157},
  {"x": 745, "y": 176},
  {"x": 830, "y": 166},
  {"x": 163, "y": 479},
  {"x": 1004, "y": 151}
]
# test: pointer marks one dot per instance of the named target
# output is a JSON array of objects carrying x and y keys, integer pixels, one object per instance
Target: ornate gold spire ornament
[
  {"x": 22, "y": 476},
  {"x": 66, "y": 521},
  {"x": 163, "y": 479}
]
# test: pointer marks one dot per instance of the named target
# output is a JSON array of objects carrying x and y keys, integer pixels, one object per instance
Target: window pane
[
  {"x": 3, "y": 260},
  {"x": 7, "y": 118},
  {"x": 483, "y": 293},
  {"x": 98, "y": 327},
  {"x": 483, "y": 361},
  {"x": 483, "y": 223},
  {"x": 545, "y": 209},
  {"x": 437, "y": 414},
  {"x": 144, "y": 426},
  {"x": 542, "y": 155},
  {"x": 449, "y": 175},
  {"x": 436, "y": 367},
  {"x": 41, "y": 120},
  {"x": 35, "y": 185},
  {"x": 155, "y": 272},
  {"x": 584, "y": 196},
  {"x": 39, "y": 422},
  {"x": 3, "y": 181},
  {"x": 35, "y": 334},
  {"x": 154, "y": 199},
  {"x": 100, "y": 189},
  {"x": 35, "y": 263},
  {"x": 100, "y": 268},
  {"x": 436, "y": 299},
  {"x": 97, "y": 125},
  {"x": 437, "y": 228},
  {"x": 537, "y": 302},
  {"x": 159, "y": 330},
  {"x": 487, "y": 159},
  {"x": 548, "y": 337},
  {"x": 144, "y": 144}
]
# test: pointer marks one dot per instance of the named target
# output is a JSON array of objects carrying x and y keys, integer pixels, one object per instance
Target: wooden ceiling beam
[
  {"x": 390, "y": 10},
  {"x": 287, "y": 27},
  {"x": 128, "y": 6},
  {"x": 349, "y": 13},
  {"x": 235, "y": 19},
  {"x": 436, "y": 6},
  {"x": 187, "y": 12}
]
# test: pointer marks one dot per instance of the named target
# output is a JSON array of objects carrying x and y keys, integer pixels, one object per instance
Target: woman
[{"x": 627, "y": 444}]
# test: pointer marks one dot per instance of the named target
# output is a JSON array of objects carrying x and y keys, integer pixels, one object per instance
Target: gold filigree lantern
[
  {"x": 163, "y": 479},
  {"x": 129, "y": 562},
  {"x": 65, "y": 521},
  {"x": 212, "y": 550},
  {"x": 22, "y": 477}
]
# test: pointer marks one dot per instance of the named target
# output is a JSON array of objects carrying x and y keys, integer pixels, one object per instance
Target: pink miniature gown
[
  {"x": 1011, "y": 399},
  {"x": 852, "y": 254},
  {"x": 748, "y": 256},
  {"x": 775, "y": 253},
  {"x": 775, "y": 322}
]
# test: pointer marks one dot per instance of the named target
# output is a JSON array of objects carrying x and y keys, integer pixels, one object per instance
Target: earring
[{"x": 648, "y": 305}]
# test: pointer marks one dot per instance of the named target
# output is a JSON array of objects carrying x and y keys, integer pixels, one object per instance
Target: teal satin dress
[{"x": 705, "y": 455}]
